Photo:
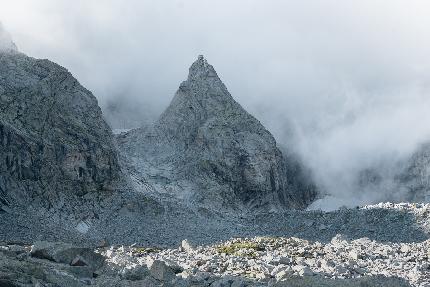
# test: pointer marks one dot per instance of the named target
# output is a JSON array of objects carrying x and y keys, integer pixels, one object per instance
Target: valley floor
[
  {"x": 305, "y": 248},
  {"x": 258, "y": 261}
]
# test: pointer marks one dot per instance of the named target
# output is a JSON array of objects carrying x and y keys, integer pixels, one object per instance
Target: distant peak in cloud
[{"x": 6, "y": 43}]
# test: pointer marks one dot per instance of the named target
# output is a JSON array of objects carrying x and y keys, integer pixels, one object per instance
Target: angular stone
[
  {"x": 186, "y": 246},
  {"x": 103, "y": 243},
  {"x": 161, "y": 271},
  {"x": 404, "y": 248},
  {"x": 353, "y": 254},
  {"x": 285, "y": 260},
  {"x": 66, "y": 253},
  {"x": 79, "y": 261},
  {"x": 134, "y": 274},
  {"x": 282, "y": 274},
  {"x": 305, "y": 271},
  {"x": 223, "y": 282}
]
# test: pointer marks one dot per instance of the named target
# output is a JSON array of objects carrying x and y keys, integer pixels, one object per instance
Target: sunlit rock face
[
  {"x": 53, "y": 139},
  {"x": 206, "y": 148}
]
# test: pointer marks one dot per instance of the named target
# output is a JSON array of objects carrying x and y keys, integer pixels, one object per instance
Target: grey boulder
[{"x": 67, "y": 254}]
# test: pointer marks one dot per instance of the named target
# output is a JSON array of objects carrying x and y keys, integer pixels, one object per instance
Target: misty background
[{"x": 345, "y": 84}]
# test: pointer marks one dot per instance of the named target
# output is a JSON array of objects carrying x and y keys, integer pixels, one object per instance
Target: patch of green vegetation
[
  {"x": 244, "y": 249},
  {"x": 146, "y": 250}
]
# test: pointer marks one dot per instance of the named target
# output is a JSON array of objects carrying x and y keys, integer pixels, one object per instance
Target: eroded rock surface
[
  {"x": 53, "y": 140},
  {"x": 206, "y": 148}
]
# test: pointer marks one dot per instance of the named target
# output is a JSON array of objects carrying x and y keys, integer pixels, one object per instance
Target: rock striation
[
  {"x": 53, "y": 139},
  {"x": 206, "y": 148}
]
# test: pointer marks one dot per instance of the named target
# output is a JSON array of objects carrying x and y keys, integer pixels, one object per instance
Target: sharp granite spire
[
  {"x": 201, "y": 70},
  {"x": 205, "y": 148}
]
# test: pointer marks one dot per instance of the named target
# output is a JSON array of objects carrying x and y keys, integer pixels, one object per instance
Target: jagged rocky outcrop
[
  {"x": 53, "y": 139},
  {"x": 206, "y": 148}
]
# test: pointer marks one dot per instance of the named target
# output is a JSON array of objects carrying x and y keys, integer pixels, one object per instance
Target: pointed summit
[
  {"x": 206, "y": 149},
  {"x": 203, "y": 96},
  {"x": 200, "y": 70}
]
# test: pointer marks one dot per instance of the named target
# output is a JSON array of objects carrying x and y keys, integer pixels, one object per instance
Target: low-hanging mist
[{"x": 344, "y": 84}]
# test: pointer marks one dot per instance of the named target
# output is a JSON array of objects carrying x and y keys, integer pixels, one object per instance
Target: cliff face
[
  {"x": 53, "y": 139},
  {"x": 207, "y": 148},
  {"x": 414, "y": 179}
]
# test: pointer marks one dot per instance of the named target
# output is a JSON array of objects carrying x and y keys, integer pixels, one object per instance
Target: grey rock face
[
  {"x": 205, "y": 147},
  {"x": 160, "y": 271},
  {"x": 53, "y": 139},
  {"x": 415, "y": 177}
]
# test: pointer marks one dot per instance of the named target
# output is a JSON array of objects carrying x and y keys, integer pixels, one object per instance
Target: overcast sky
[{"x": 350, "y": 78}]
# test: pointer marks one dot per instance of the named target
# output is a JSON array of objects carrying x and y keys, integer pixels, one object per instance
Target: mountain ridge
[{"x": 66, "y": 146}]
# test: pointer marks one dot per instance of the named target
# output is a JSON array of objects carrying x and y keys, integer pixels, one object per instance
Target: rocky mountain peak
[
  {"x": 6, "y": 43},
  {"x": 215, "y": 148},
  {"x": 201, "y": 69},
  {"x": 54, "y": 142},
  {"x": 203, "y": 101}
]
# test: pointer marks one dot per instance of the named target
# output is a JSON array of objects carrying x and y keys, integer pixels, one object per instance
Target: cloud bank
[{"x": 345, "y": 84}]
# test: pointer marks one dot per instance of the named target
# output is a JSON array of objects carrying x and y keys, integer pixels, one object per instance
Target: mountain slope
[
  {"x": 53, "y": 139},
  {"x": 206, "y": 148}
]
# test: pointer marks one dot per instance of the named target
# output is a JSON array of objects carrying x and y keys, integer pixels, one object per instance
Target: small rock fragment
[
  {"x": 78, "y": 261},
  {"x": 186, "y": 246},
  {"x": 160, "y": 271}
]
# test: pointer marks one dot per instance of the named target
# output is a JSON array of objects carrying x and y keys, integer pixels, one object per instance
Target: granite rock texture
[
  {"x": 206, "y": 148},
  {"x": 53, "y": 139}
]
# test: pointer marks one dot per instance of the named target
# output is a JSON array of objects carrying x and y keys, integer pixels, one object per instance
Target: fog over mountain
[{"x": 347, "y": 83}]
